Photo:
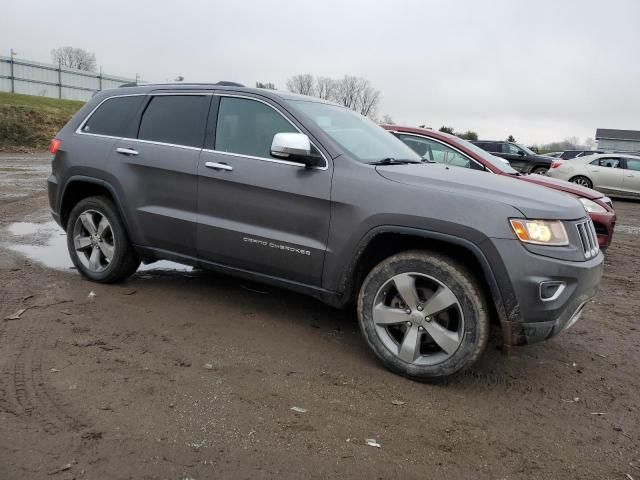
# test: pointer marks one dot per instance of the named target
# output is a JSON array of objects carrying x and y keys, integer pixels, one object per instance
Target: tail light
[
  {"x": 54, "y": 145},
  {"x": 555, "y": 164}
]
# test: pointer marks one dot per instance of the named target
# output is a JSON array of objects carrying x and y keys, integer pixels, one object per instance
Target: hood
[
  {"x": 532, "y": 200},
  {"x": 563, "y": 186}
]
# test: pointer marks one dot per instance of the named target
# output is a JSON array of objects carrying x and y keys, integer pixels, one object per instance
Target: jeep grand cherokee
[{"x": 304, "y": 194}]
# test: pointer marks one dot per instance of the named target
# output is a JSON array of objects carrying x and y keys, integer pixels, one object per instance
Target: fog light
[{"x": 550, "y": 291}]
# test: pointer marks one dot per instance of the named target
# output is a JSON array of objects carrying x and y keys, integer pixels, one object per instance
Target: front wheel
[
  {"x": 539, "y": 170},
  {"x": 424, "y": 315},
  {"x": 98, "y": 242}
]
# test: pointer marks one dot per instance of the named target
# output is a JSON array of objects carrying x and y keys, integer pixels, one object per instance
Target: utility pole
[{"x": 13, "y": 80}]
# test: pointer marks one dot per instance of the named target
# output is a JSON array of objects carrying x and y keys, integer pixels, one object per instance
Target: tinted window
[
  {"x": 114, "y": 116},
  {"x": 177, "y": 119},
  {"x": 607, "y": 162},
  {"x": 493, "y": 147},
  {"x": 633, "y": 164},
  {"x": 247, "y": 127}
]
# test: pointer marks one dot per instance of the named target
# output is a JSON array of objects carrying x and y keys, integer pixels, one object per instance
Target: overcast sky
[{"x": 540, "y": 70}]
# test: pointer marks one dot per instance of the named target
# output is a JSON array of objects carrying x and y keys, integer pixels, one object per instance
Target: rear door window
[
  {"x": 633, "y": 164},
  {"x": 114, "y": 116},
  {"x": 247, "y": 127},
  {"x": 175, "y": 119}
]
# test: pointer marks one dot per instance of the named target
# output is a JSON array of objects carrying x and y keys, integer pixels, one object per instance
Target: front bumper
[
  {"x": 535, "y": 318},
  {"x": 605, "y": 224}
]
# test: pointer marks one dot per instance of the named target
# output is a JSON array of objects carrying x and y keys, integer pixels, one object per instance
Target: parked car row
[{"x": 304, "y": 194}]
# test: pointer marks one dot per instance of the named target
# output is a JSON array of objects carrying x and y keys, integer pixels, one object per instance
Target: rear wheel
[
  {"x": 539, "y": 170},
  {"x": 582, "y": 181},
  {"x": 98, "y": 242},
  {"x": 423, "y": 315}
]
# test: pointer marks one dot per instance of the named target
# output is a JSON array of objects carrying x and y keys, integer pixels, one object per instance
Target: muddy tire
[
  {"x": 424, "y": 315},
  {"x": 98, "y": 243}
]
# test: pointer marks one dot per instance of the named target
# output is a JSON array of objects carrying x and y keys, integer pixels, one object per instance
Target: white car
[{"x": 615, "y": 174}]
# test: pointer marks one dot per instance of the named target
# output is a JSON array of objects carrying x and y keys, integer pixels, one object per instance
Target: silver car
[{"x": 615, "y": 174}]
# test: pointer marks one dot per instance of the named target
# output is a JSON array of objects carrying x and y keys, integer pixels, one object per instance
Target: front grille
[{"x": 588, "y": 238}]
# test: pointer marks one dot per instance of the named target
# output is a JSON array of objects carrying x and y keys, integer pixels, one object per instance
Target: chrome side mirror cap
[{"x": 286, "y": 145}]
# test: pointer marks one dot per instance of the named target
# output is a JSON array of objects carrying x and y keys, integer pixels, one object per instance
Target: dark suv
[
  {"x": 304, "y": 194},
  {"x": 521, "y": 158}
]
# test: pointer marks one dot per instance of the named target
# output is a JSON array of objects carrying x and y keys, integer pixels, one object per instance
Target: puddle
[
  {"x": 46, "y": 243},
  {"x": 627, "y": 229}
]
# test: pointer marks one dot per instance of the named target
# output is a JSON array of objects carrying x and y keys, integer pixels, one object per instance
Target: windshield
[
  {"x": 497, "y": 162},
  {"x": 363, "y": 139},
  {"x": 528, "y": 150}
]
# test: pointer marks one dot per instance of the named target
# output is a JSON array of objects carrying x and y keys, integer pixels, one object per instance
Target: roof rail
[{"x": 222, "y": 83}]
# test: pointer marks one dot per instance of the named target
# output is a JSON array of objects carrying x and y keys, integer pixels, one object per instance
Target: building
[{"x": 610, "y": 139}]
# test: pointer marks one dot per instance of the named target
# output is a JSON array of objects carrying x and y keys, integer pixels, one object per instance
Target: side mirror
[
  {"x": 521, "y": 153},
  {"x": 295, "y": 147}
]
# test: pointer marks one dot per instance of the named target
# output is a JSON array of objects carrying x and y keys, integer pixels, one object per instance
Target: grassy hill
[{"x": 28, "y": 123}]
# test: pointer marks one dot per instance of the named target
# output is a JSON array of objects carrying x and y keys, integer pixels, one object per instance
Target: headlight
[
  {"x": 591, "y": 206},
  {"x": 540, "y": 232}
]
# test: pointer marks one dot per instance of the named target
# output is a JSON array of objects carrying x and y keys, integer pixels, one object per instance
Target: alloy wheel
[
  {"x": 418, "y": 318},
  {"x": 93, "y": 241}
]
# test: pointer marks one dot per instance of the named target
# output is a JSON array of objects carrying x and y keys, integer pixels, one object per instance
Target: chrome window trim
[
  {"x": 252, "y": 157},
  {"x": 148, "y": 94},
  {"x": 446, "y": 145},
  {"x": 286, "y": 162}
]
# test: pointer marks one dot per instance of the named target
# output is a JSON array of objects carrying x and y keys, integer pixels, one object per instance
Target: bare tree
[
  {"x": 589, "y": 143},
  {"x": 72, "y": 57},
  {"x": 266, "y": 85},
  {"x": 326, "y": 88},
  {"x": 348, "y": 91},
  {"x": 302, "y": 84},
  {"x": 368, "y": 99},
  {"x": 387, "y": 120},
  {"x": 573, "y": 141}
]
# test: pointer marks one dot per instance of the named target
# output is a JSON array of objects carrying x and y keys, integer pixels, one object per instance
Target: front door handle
[
  {"x": 630, "y": 175},
  {"x": 218, "y": 166},
  {"x": 127, "y": 151}
]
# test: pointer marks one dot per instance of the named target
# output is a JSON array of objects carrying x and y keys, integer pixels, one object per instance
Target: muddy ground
[{"x": 183, "y": 374}]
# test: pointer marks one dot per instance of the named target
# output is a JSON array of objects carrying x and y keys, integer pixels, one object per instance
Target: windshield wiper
[{"x": 392, "y": 161}]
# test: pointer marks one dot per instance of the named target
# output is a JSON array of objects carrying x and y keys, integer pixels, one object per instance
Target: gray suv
[{"x": 304, "y": 194}]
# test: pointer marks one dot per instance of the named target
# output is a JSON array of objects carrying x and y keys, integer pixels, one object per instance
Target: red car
[{"x": 444, "y": 148}]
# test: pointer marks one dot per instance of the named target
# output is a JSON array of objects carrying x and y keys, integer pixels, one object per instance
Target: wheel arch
[
  {"x": 80, "y": 187},
  {"x": 383, "y": 242}
]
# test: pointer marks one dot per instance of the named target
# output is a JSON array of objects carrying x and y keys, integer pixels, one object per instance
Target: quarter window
[
  {"x": 114, "y": 116},
  {"x": 247, "y": 127},
  {"x": 176, "y": 119}
]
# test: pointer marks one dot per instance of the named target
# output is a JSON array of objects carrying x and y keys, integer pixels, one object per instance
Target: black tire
[
  {"x": 582, "y": 181},
  {"x": 124, "y": 262},
  {"x": 449, "y": 273},
  {"x": 539, "y": 170}
]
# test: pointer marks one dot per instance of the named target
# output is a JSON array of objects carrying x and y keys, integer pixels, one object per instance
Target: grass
[{"x": 28, "y": 123}]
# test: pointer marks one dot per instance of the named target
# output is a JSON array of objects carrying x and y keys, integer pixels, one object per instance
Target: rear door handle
[
  {"x": 218, "y": 166},
  {"x": 127, "y": 151},
  {"x": 630, "y": 175}
]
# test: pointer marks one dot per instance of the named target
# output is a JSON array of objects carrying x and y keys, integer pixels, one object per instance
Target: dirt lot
[{"x": 187, "y": 374}]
